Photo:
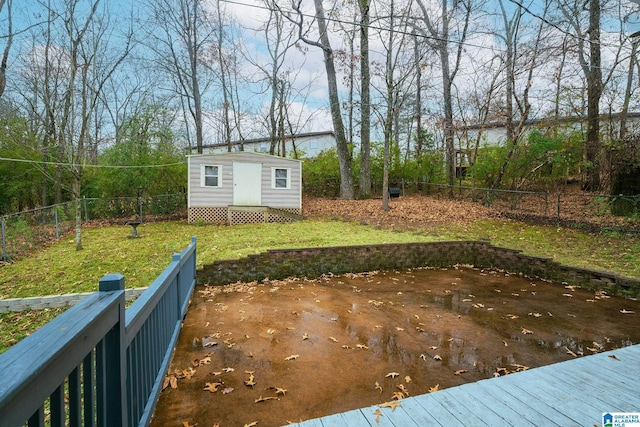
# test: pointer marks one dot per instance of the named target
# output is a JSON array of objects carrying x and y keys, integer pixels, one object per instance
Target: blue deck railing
[{"x": 98, "y": 364}]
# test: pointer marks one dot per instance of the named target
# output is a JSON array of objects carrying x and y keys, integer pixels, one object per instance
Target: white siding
[{"x": 223, "y": 196}]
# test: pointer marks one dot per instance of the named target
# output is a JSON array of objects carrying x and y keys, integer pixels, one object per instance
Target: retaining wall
[{"x": 313, "y": 262}]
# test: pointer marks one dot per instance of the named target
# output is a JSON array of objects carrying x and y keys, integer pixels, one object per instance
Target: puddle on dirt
[{"x": 286, "y": 351}]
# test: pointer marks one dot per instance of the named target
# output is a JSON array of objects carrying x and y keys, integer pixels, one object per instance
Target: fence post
[
  {"x": 55, "y": 215},
  {"x": 4, "y": 241},
  {"x": 115, "y": 358}
]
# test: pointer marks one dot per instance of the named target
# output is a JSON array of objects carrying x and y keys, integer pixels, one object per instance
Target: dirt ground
[{"x": 273, "y": 352}]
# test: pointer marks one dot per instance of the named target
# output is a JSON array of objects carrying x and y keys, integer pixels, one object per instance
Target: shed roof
[{"x": 245, "y": 154}]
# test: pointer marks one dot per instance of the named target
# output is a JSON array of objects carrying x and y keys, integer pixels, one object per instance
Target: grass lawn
[{"x": 60, "y": 269}]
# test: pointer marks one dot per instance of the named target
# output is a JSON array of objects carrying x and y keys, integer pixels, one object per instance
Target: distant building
[
  {"x": 302, "y": 145},
  {"x": 495, "y": 133}
]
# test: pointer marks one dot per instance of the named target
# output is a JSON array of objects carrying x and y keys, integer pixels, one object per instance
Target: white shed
[{"x": 243, "y": 187}]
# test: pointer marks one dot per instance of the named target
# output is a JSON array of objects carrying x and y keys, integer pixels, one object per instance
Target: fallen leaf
[
  {"x": 278, "y": 390},
  {"x": 292, "y": 357},
  {"x": 437, "y": 357},
  {"x": 519, "y": 368},
  {"x": 392, "y": 404},
  {"x": 264, "y": 399},
  {"x": 362, "y": 346},
  {"x": 189, "y": 372},
  {"x": 333, "y": 339},
  {"x": 213, "y": 387},
  {"x": 423, "y": 357},
  {"x": 403, "y": 389},
  {"x": 227, "y": 370},
  {"x": 460, "y": 372},
  {"x": 392, "y": 375},
  {"x": 570, "y": 352},
  {"x": 250, "y": 382},
  {"x": 305, "y": 337},
  {"x": 227, "y": 390},
  {"x": 526, "y": 331},
  {"x": 186, "y": 424},
  {"x": 170, "y": 381},
  {"x": 253, "y": 424},
  {"x": 613, "y": 356},
  {"x": 434, "y": 388},
  {"x": 378, "y": 386},
  {"x": 624, "y": 311},
  {"x": 397, "y": 395},
  {"x": 407, "y": 379}
]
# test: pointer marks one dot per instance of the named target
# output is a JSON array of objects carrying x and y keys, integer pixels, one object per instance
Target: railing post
[{"x": 115, "y": 358}]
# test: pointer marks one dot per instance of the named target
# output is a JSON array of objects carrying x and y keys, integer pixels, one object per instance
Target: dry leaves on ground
[{"x": 404, "y": 212}]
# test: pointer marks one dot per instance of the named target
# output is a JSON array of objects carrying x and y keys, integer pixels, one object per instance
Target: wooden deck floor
[{"x": 571, "y": 393}]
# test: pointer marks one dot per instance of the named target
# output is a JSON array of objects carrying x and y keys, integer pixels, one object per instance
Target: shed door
[{"x": 247, "y": 184}]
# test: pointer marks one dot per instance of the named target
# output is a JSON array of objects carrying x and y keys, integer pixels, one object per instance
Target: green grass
[
  {"x": 612, "y": 252},
  {"x": 60, "y": 269}
]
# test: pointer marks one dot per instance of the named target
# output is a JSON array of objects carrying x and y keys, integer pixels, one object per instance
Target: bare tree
[
  {"x": 451, "y": 24},
  {"x": 7, "y": 46},
  {"x": 279, "y": 40},
  {"x": 515, "y": 123},
  {"x": 344, "y": 153},
  {"x": 183, "y": 40},
  {"x": 365, "y": 101},
  {"x": 590, "y": 62},
  {"x": 77, "y": 63}
]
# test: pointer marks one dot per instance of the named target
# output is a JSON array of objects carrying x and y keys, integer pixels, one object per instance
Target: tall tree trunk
[
  {"x": 628, "y": 89},
  {"x": 342, "y": 145},
  {"x": 365, "y": 109},
  {"x": 418, "y": 109},
  {"x": 594, "y": 91},
  {"x": 344, "y": 152},
  {"x": 389, "y": 116},
  {"x": 7, "y": 47}
]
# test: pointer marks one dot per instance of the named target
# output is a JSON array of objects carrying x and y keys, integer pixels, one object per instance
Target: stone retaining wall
[
  {"x": 54, "y": 301},
  {"x": 313, "y": 262}
]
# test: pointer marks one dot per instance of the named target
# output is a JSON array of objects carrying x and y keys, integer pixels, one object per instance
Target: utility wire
[{"x": 90, "y": 165}]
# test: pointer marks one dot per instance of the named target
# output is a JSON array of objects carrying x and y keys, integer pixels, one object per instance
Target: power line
[
  {"x": 493, "y": 48},
  {"x": 39, "y": 162}
]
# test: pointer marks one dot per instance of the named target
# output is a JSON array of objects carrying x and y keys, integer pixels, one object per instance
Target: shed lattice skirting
[{"x": 242, "y": 215}]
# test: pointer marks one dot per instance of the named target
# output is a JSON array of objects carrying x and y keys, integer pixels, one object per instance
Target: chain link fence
[
  {"x": 569, "y": 207},
  {"x": 25, "y": 231}
]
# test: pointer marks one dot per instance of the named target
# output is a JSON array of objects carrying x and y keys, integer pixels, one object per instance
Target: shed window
[
  {"x": 211, "y": 176},
  {"x": 281, "y": 178}
]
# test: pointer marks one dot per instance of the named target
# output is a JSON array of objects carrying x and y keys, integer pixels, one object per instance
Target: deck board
[{"x": 575, "y": 392}]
